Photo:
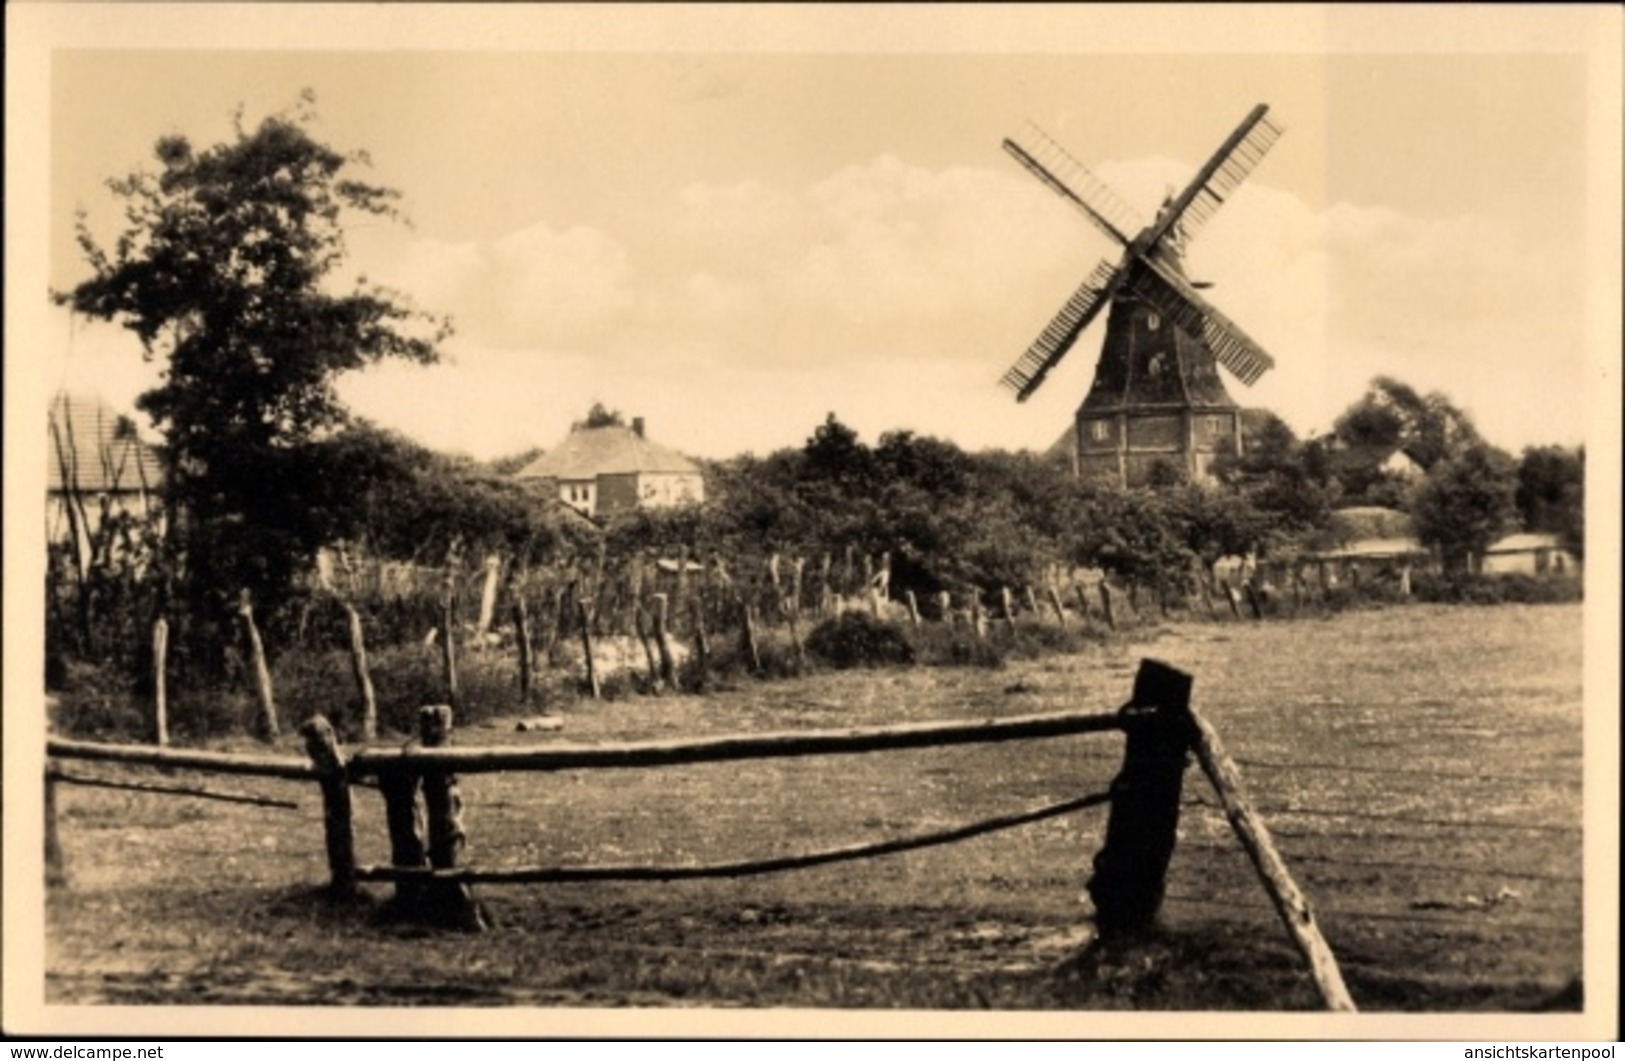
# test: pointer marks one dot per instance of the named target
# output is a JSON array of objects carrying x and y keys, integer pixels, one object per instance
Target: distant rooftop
[
  {"x": 94, "y": 447},
  {"x": 618, "y": 449}
]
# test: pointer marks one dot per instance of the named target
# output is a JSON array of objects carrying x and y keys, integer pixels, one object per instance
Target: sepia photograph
[{"x": 832, "y": 521}]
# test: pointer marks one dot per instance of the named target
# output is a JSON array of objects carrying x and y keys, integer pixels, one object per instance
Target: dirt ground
[{"x": 1420, "y": 768}]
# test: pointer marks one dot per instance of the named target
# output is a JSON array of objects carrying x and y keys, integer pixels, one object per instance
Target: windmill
[{"x": 1157, "y": 395}]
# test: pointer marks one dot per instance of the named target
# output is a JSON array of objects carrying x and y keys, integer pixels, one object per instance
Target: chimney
[{"x": 637, "y": 426}]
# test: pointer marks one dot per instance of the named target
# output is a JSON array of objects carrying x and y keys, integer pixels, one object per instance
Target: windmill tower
[{"x": 1157, "y": 396}]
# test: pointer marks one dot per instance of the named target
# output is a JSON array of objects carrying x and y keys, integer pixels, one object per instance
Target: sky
[{"x": 733, "y": 242}]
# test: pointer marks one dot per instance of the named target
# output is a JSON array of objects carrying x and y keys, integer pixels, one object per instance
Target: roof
[
  {"x": 1375, "y": 548},
  {"x": 1373, "y": 521},
  {"x": 94, "y": 447},
  {"x": 1524, "y": 543},
  {"x": 1361, "y": 458},
  {"x": 588, "y": 452}
]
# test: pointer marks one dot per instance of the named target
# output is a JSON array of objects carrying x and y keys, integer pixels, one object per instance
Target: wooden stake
[
  {"x": 449, "y": 902},
  {"x": 160, "y": 694},
  {"x": 1055, "y": 602},
  {"x": 488, "y": 593},
  {"x": 1254, "y": 600},
  {"x": 1290, "y": 904},
  {"x": 913, "y": 607},
  {"x": 795, "y": 636},
  {"x": 702, "y": 640},
  {"x": 403, "y": 815},
  {"x": 1009, "y": 609},
  {"x": 945, "y": 606},
  {"x": 56, "y": 867},
  {"x": 1032, "y": 601},
  {"x": 1083, "y": 603},
  {"x": 668, "y": 669},
  {"x": 521, "y": 638},
  {"x": 641, "y": 625},
  {"x": 748, "y": 632},
  {"x": 322, "y": 745},
  {"x": 1230, "y": 596},
  {"x": 586, "y": 647},
  {"x": 448, "y": 626},
  {"x": 1131, "y": 868},
  {"x": 977, "y": 619},
  {"x": 363, "y": 678},
  {"x": 1106, "y": 604},
  {"x": 270, "y": 729}
]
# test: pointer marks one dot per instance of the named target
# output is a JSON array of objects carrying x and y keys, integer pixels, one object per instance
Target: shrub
[
  {"x": 1497, "y": 589},
  {"x": 858, "y": 639}
]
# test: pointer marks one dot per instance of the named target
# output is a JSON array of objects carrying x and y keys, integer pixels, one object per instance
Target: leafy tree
[
  {"x": 1392, "y": 414},
  {"x": 227, "y": 271},
  {"x": 599, "y": 416},
  {"x": 1551, "y": 493},
  {"x": 1466, "y": 503}
]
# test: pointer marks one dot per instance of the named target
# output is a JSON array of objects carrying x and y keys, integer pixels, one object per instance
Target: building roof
[
  {"x": 1363, "y": 458},
  {"x": 1524, "y": 543},
  {"x": 1375, "y": 549},
  {"x": 95, "y": 448},
  {"x": 588, "y": 452},
  {"x": 1373, "y": 521}
]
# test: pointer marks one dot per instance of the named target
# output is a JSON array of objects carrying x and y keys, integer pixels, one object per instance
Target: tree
[
  {"x": 1465, "y": 504},
  {"x": 1551, "y": 493},
  {"x": 1391, "y": 414},
  {"x": 227, "y": 271}
]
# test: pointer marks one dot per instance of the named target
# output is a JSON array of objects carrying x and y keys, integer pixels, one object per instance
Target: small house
[
  {"x": 1528, "y": 554},
  {"x": 95, "y": 467},
  {"x": 613, "y": 468}
]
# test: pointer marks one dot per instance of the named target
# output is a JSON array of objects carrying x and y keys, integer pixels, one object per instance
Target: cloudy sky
[{"x": 733, "y": 232}]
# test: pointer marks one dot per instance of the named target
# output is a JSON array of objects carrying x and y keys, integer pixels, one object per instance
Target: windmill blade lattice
[
  {"x": 1053, "y": 343},
  {"x": 1221, "y": 176},
  {"x": 1072, "y": 181},
  {"x": 1179, "y": 302}
]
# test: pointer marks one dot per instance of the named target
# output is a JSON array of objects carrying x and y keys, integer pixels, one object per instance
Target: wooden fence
[{"x": 423, "y": 805}]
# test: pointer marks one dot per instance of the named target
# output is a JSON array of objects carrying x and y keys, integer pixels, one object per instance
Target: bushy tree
[
  {"x": 227, "y": 271},
  {"x": 1551, "y": 493},
  {"x": 1466, "y": 503}
]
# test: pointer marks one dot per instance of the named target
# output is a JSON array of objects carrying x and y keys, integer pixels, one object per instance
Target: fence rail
[{"x": 423, "y": 805}]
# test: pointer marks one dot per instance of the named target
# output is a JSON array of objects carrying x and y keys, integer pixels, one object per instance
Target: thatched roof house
[{"x": 615, "y": 468}]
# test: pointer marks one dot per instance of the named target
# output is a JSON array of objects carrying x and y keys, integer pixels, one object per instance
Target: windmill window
[
  {"x": 1100, "y": 430},
  {"x": 1215, "y": 425},
  {"x": 1153, "y": 322}
]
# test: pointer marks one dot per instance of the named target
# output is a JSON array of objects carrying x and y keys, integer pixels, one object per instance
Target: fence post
[
  {"x": 1255, "y": 602},
  {"x": 702, "y": 639},
  {"x": 668, "y": 670},
  {"x": 322, "y": 745},
  {"x": 1083, "y": 603},
  {"x": 363, "y": 679},
  {"x": 913, "y": 607},
  {"x": 270, "y": 728},
  {"x": 1055, "y": 603},
  {"x": 403, "y": 816},
  {"x": 56, "y": 869},
  {"x": 1106, "y": 604},
  {"x": 1131, "y": 868},
  {"x": 1009, "y": 609},
  {"x": 448, "y": 626},
  {"x": 160, "y": 694},
  {"x": 586, "y": 648},
  {"x": 748, "y": 634},
  {"x": 1031, "y": 600},
  {"x": 521, "y": 637},
  {"x": 641, "y": 625},
  {"x": 449, "y": 902},
  {"x": 1230, "y": 596}
]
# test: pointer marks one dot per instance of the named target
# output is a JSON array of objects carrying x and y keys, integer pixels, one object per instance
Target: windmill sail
[
  {"x": 1214, "y": 182},
  {"x": 1053, "y": 343},
  {"x": 1068, "y": 178},
  {"x": 1175, "y": 299}
]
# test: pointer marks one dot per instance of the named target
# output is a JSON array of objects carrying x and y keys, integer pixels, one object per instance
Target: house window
[
  {"x": 1100, "y": 431},
  {"x": 1215, "y": 426}
]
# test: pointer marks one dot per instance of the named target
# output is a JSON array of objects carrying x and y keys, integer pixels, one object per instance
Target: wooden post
[
  {"x": 1083, "y": 603},
  {"x": 748, "y": 635},
  {"x": 270, "y": 729},
  {"x": 1130, "y": 870},
  {"x": 1207, "y": 594},
  {"x": 160, "y": 692},
  {"x": 1031, "y": 601},
  {"x": 1055, "y": 602},
  {"x": 1009, "y": 609},
  {"x": 913, "y": 607},
  {"x": 945, "y": 606},
  {"x": 448, "y": 627},
  {"x": 586, "y": 647},
  {"x": 56, "y": 867},
  {"x": 403, "y": 815},
  {"x": 363, "y": 678},
  {"x": 448, "y": 902},
  {"x": 488, "y": 593},
  {"x": 797, "y": 568},
  {"x": 1290, "y": 904},
  {"x": 1405, "y": 580},
  {"x": 978, "y": 620},
  {"x": 702, "y": 640},
  {"x": 792, "y": 617},
  {"x": 641, "y": 625},
  {"x": 668, "y": 669},
  {"x": 322, "y": 745},
  {"x": 1254, "y": 601},
  {"x": 1230, "y": 596},
  {"x": 1106, "y": 604},
  {"x": 1297, "y": 590},
  {"x": 521, "y": 637}
]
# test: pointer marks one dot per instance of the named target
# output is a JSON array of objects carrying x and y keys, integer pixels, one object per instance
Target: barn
[
  {"x": 1528, "y": 554},
  {"x": 612, "y": 468}
]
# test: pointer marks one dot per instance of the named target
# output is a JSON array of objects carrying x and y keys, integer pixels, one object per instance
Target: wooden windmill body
[{"x": 1157, "y": 396}]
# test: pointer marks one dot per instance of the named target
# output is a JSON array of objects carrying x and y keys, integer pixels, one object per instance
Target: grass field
[{"x": 1420, "y": 768}]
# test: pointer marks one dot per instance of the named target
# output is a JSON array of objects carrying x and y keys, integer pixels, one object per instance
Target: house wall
[{"x": 1530, "y": 562}]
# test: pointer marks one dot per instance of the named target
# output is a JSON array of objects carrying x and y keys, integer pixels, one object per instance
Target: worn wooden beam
[
  {"x": 446, "y": 902},
  {"x": 382, "y": 761},
  {"x": 267, "y": 725},
  {"x": 63, "y": 777},
  {"x": 177, "y": 759},
  {"x": 338, "y": 825},
  {"x": 160, "y": 692},
  {"x": 363, "y": 676},
  {"x": 1289, "y": 901}
]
